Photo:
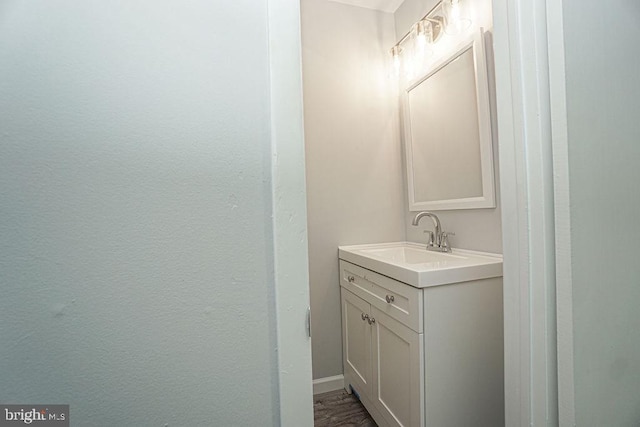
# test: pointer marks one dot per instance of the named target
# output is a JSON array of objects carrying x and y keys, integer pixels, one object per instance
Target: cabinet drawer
[{"x": 396, "y": 299}]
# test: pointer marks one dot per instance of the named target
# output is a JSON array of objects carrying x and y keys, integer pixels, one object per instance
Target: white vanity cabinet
[
  {"x": 383, "y": 359},
  {"x": 423, "y": 356}
]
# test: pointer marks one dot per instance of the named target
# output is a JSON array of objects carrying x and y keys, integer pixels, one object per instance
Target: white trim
[
  {"x": 289, "y": 215},
  {"x": 566, "y": 395},
  {"x": 526, "y": 180},
  {"x": 516, "y": 360},
  {"x": 327, "y": 384}
]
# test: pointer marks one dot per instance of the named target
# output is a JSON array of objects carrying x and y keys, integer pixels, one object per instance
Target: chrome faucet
[{"x": 438, "y": 239}]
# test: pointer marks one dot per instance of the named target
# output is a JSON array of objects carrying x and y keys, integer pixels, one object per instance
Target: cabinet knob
[
  {"x": 390, "y": 298},
  {"x": 371, "y": 320},
  {"x": 365, "y": 317},
  {"x": 351, "y": 279}
]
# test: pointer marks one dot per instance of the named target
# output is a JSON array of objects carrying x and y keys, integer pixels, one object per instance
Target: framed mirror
[{"x": 447, "y": 133}]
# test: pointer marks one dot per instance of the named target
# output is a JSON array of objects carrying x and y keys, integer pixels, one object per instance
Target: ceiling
[{"x": 383, "y": 5}]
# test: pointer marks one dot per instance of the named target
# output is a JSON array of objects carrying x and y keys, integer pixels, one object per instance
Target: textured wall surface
[
  {"x": 602, "y": 90},
  {"x": 354, "y": 165},
  {"x": 135, "y": 245}
]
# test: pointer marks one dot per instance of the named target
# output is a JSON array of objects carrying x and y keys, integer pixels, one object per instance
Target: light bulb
[
  {"x": 455, "y": 10},
  {"x": 395, "y": 57},
  {"x": 420, "y": 34},
  {"x": 455, "y": 22}
]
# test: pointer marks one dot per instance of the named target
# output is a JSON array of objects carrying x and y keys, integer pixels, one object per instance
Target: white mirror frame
[{"x": 487, "y": 200}]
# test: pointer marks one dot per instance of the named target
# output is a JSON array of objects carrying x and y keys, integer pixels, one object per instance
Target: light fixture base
[{"x": 437, "y": 25}]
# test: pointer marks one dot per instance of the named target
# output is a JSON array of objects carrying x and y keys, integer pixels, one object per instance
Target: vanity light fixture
[{"x": 445, "y": 17}]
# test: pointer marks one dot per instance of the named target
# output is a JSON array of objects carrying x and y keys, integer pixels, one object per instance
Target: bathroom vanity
[{"x": 423, "y": 334}]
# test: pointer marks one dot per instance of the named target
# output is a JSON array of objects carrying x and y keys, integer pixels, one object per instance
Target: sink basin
[
  {"x": 413, "y": 255},
  {"x": 411, "y": 263}
]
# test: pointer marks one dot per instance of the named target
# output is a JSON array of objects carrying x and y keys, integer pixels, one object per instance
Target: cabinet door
[
  {"x": 356, "y": 342},
  {"x": 398, "y": 375}
]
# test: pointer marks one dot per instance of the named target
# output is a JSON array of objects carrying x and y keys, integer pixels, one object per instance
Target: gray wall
[
  {"x": 353, "y": 158},
  {"x": 479, "y": 229},
  {"x": 603, "y": 92},
  {"x": 135, "y": 213}
]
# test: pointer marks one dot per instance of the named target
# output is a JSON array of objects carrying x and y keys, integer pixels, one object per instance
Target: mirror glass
[{"x": 448, "y": 134}]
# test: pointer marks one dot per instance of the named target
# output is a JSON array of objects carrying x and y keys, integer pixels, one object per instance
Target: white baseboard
[{"x": 327, "y": 384}]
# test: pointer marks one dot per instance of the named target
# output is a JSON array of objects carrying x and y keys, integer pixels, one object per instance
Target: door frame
[
  {"x": 534, "y": 190},
  {"x": 288, "y": 193},
  {"x": 564, "y": 287},
  {"x": 529, "y": 59}
]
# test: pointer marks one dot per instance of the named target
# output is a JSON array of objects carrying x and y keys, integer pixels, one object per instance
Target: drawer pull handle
[
  {"x": 351, "y": 279},
  {"x": 371, "y": 320},
  {"x": 390, "y": 298},
  {"x": 365, "y": 317}
]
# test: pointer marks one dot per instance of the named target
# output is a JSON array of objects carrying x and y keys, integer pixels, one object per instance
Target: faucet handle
[
  {"x": 431, "y": 237},
  {"x": 444, "y": 240}
]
